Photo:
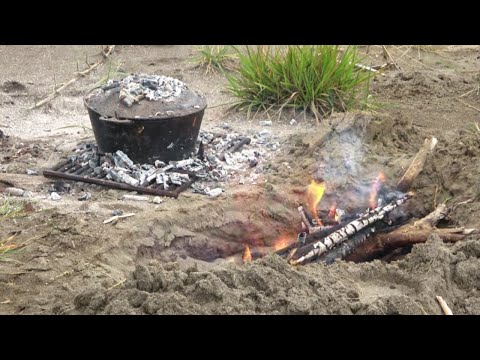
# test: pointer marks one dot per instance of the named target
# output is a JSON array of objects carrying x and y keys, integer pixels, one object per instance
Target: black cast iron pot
[{"x": 149, "y": 130}]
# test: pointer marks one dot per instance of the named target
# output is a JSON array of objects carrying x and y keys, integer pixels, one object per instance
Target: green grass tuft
[
  {"x": 318, "y": 78},
  {"x": 113, "y": 70},
  {"x": 10, "y": 208},
  {"x": 215, "y": 58}
]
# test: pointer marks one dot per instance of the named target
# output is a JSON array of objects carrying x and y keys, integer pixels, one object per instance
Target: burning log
[
  {"x": 312, "y": 251},
  {"x": 417, "y": 165},
  {"x": 306, "y": 218},
  {"x": 409, "y": 234},
  {"x": 318, "y": 233},
  {"x": 345, "y": 248}
]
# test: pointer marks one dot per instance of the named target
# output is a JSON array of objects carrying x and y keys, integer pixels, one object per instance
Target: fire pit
[{"x": 148, "y": 117}]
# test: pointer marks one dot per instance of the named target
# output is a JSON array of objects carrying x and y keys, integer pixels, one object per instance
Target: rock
[
  {"x": 215, "y": 192},
  {"x": 117, "y": 212},
  {"x": 84, "y": 196},
  {"x": 32, "y": 172},
  {"x": 293, "y": 122},
  {"x": 266, "y": 123},
  {"x": 55, "y": 197},
  {"x": 14, "y": 191},
  {"x": 157, "y": 200}
]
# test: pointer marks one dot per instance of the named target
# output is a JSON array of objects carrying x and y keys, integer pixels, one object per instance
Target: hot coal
[
  {"x": 152, "y": 87},
  {"x": 239, "y": 155}
]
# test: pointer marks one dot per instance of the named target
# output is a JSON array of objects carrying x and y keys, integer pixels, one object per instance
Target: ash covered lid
[{"x": 145, "y": 96}]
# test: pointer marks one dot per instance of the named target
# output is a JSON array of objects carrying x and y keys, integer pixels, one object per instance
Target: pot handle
[{"x": 115, "y": 121}]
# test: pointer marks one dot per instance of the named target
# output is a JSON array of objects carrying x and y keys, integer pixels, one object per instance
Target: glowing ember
[
  {"x": 247, "y": 255},
  {"x": 314, "y": 195},
  {"x": 333, "y": 211},
  {"x": 282, "y": 242},
  {"x": 375, "y": 187}
]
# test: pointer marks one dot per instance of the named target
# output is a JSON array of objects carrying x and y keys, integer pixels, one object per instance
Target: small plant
[
  {"x": 112, "y": 71},
  {"x": 319, "y": 78},
  {"x": 11, "y": 209},
  {"x": 215, "y": 58},
  {"x": 7, "y": 248}
]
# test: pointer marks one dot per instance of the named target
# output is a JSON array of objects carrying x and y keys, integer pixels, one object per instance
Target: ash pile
[
  {"x": 219, "y": 158},
  {"x": 151, "y": 87}
]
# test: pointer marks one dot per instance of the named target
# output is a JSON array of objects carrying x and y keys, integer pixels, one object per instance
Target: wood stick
[
  {"x": 113, "y": 218},
  {"x": 314, "y": 236},
  {"x": 105, "y": 54},
  {"x": 412, "y": 233},
  {"x": 368, "y": 68},
  {"x": 433, "y": 218},
  {"x": 235, "y": 146},
  {"x": 312, "y": 251},
  {"x": 397, "y": 239},
  {"x": 304, "y": 218},
  {"x": 381, "y": 244},
  {"x": 444, "y": 306},
  {"x": 345, "y": 248},
  {"x": 468, "y": 105},
  {"x": 417, "y": 165},
  {"x": 388, "y": 56}
]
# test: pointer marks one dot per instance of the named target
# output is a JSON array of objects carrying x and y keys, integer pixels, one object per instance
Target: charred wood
[{"x": 312, "y": 251}]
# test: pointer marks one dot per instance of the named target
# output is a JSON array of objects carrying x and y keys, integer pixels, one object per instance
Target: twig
[
  {"x": 114, "y": 218},
  {"x": 411, "y": 58},
  {"x": 78, "y": 75},
  {"x": 468, "y": 105},
  {"x": 368, "y": 68},
  {"x": 477, "y": 89},
  {"x": 304, "y": 218},
  {"x": 463, "y": 203},
  {"x": 444, "y": 306},
  {"x": 117, "y": 284},
  {"x": 390, "y": 57},
  {"x": 478, "y": 128}
]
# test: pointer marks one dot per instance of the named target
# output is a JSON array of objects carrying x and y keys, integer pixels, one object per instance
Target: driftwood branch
[
  {"x": 409, "y": 234},
  {"x": 105, "y": 54},
  {"x": 444, "y": 306},
  {"x": 417, "y": 165}
]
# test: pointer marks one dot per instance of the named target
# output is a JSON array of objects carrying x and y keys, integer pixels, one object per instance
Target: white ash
[
  {"x": 152, "y": 87},
  {"x": 243, "y": 166},
  {"x": 214, "y": 192},
  {"x": 85, "y": 196},
  {"x": 135, "y": 197},
  {"x": 55, "y": 197}
]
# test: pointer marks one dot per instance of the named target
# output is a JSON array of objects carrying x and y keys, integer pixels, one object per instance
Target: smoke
[{"x": 349, "y": 171}]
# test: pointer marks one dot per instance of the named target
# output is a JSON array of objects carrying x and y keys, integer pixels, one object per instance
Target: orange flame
[
  {"x": 247, "y": 255},
  {"x": 375, "y": 187},
  {"x": 282, "y": 242},
  {"x": 333, "y": 211},
  {"x": 314, "y": 195},
  {"x": 332, "y": 214}
]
